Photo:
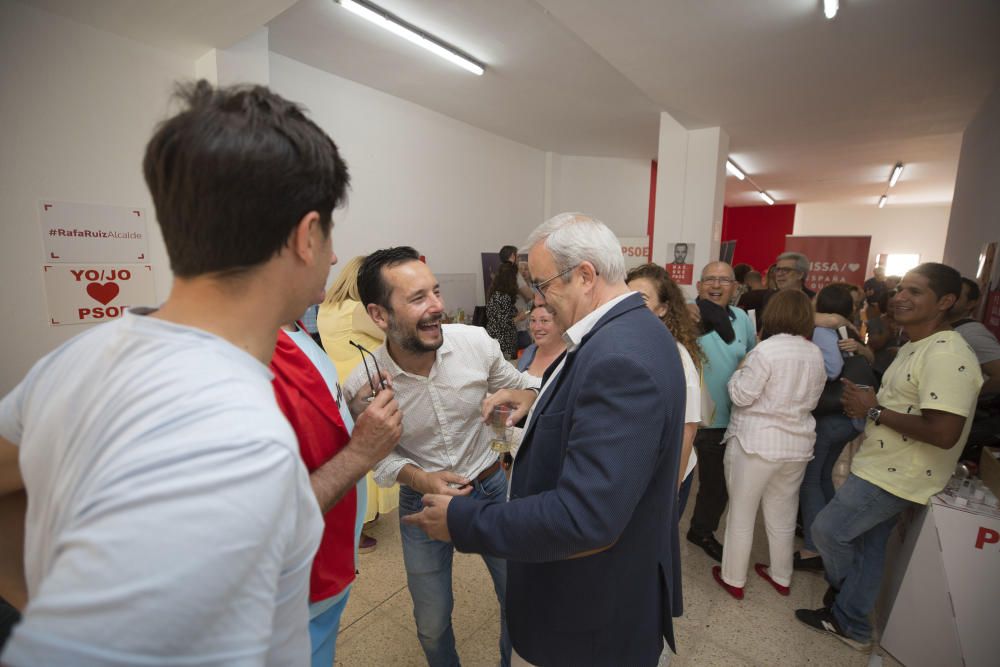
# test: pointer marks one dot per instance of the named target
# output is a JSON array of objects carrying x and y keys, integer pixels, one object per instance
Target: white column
[
  {"x": 690, "y": 191},
  {"x": 246, "y": 61}
]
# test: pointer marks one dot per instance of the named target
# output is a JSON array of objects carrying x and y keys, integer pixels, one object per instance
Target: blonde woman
[{"x": 343, "y": 318}]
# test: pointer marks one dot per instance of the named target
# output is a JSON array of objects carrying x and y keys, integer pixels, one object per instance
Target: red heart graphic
[{"x": 103, "y": 294}]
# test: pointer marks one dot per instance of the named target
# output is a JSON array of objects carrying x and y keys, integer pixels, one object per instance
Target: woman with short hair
[
  {"x": 770, "y": 440},
  {"x": 548, "y": 342}
]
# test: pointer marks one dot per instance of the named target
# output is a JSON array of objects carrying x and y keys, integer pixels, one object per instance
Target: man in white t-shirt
[{"x": 171, "y": 518}]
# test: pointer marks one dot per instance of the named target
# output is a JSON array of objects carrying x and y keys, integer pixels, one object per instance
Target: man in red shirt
[{"x": 338, "y": 453}]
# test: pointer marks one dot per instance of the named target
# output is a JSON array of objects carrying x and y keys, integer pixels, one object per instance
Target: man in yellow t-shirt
[{"x": 918, "y": 424}]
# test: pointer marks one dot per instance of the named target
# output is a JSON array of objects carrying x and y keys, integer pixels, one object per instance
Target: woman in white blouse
[
  {"x": 665, "y": 299},
  {"x": 771, "y": 435}
]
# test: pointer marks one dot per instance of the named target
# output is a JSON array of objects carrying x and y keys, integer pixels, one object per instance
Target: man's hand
[
  {"x": 856, "y": 400},
  {"x": 438, "y": 483},
  {"x": 364, "y": 397},
  {"x": 520, "y": 401},
  {"x": 854, "y": 347},
  {"x": 377, "y": 428},
  {"x": 433, "y": 519}
]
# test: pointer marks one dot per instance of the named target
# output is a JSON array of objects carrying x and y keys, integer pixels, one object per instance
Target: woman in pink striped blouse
[{"x": 771, "y": 435}]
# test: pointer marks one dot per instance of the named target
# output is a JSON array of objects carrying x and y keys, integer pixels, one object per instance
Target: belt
[{"x": 489, "y": 472}]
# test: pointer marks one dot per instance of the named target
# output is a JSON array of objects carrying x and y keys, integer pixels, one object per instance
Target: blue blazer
[{"x": 597, "y": 470}]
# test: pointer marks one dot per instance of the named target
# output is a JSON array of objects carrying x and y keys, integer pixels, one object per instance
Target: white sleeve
[
  {"x": 692, "y": 382},
  {"x": 502, "y": 373},
  {"x": 201, "y": 561},
  {"x": 748, "y": 381}
]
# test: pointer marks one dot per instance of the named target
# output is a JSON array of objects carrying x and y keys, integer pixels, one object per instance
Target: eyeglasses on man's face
[
  {"x": 783, "y": 270},
  {"x": 718, "y": 280},
  {"x": 539, "y": 287}
]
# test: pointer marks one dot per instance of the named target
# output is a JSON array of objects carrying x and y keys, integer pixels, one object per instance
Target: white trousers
[{"x": 753, "y": 481}]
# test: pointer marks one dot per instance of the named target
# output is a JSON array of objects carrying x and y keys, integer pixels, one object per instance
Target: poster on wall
[
  {"x": 491, "y": 263},
  {"x": 988, "y": 277},
  {"x": 635, "y": 250},
  {"x": 77, "y": 233},
  {"x": 93, "y": 293},
  {"x": 832, "y": 259},
  {"x": 681, "y": 269}
]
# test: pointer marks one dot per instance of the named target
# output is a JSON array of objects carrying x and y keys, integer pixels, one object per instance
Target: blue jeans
[
  {"x": 428, "y": 575},
  {"x": 833, "y": 432},
  {"x": 323, "y": 629},
  {"x": 851, "y": 534}
]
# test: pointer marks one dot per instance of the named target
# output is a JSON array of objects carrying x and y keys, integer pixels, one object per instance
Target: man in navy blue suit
[{"x": 590, "y": 528}]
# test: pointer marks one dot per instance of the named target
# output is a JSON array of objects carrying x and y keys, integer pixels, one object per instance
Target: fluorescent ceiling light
[
  {"x": 830, "y": 8},
  {"x": 766, "y": 197},
  {"x": 882, "y": 200},
  {"x": 896, "y": 172},
  {"x": 734, "y": 170},
  {"x": 385, "y": 20}
]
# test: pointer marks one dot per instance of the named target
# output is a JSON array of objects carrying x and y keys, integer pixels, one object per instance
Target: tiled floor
[{"x": 378, "y": 628}]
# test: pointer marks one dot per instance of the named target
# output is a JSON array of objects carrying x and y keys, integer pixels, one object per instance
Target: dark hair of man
[
  {"x": 507, "y": 253},
  {"x": 741, "y": 270},
  {"x": 234, "y": 173},
  {"x": 371, "y": 283},
  {"x": 677, "y": 318},
  {"x": 973, "y": 290},
  {"x": 788, "y": 312},
  {"x": 836, "y": 298},
  {"x": 941, "y": 278},
  {"x": 505, "y": 282},
  {"x": 884, "y": 298}
]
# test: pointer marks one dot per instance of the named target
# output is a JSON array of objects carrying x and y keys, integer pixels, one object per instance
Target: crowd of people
[{"x": 203, "y": 503}]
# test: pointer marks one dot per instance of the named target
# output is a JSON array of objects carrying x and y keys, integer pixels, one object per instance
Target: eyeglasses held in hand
[{"x": 376, "y": 386}]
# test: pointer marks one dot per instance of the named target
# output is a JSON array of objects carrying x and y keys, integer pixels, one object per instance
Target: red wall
[{"x": 759, "y": 232}]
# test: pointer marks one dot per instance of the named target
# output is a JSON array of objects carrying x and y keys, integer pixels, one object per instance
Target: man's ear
[
  {"x": 379, "y": 315},
  {"x": 947, "y": 302},
  {"x": 305, "y": 237},
  {"x": 588, "y": 273}
]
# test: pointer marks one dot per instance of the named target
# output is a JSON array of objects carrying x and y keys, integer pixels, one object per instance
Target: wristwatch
[{"x": 875, "y": 414}]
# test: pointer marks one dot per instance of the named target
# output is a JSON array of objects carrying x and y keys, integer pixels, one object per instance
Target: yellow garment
[
  {"x": 335, "y": 329},
  {"x": 939, "y": 372}
]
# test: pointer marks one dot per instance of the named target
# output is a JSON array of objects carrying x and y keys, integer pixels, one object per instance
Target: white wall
[
  {"x": 419, "y": 178},
  {"x": 894, "y": 229},
  {"x": 613, "y": 190},
  {"x": 975, "y": 207},
  {"x": 77, "y": 109}
]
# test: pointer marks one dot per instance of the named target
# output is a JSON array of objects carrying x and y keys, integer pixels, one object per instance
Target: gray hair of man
[
  {"x": 801, "y": 261},
  {"x": 573, "y": 238}
]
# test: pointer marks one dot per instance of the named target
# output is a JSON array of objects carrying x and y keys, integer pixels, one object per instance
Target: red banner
[{"x": 832, "y": 259}]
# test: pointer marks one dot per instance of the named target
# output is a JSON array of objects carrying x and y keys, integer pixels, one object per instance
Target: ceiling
[{"x": 816, "y": 110}]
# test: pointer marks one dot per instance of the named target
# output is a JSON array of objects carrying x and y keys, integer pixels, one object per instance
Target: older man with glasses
[
  {"x": 728, "y": 336},
  {"x": 590, "y": 529}
]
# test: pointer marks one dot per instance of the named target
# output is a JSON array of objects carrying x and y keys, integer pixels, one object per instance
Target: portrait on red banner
[
  {"x": 681, "y": 269},
  {"x": 832, "y": 259}
]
